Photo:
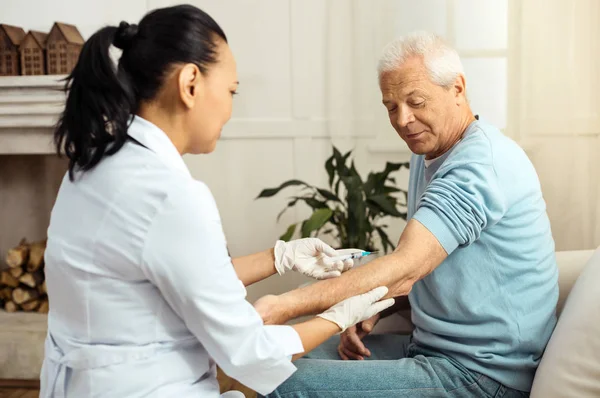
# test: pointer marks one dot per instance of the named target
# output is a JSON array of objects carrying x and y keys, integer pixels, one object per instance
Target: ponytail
[
  {"x": 102, "y": 97},
  {"x": 98, "y": 106}
]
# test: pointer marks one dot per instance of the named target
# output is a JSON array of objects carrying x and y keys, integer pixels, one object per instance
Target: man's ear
[
  {"x": 190, "y": 80},
  {"x": 460, "y": 89}
]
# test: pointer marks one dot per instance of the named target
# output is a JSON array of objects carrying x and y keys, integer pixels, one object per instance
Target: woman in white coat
[{"x": 144, "y": 298}]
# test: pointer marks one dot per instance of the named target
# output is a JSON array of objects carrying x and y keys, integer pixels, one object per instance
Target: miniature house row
[{"x": 37, "y": 53}]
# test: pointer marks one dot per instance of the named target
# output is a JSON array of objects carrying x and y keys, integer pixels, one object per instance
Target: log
[
  {"x": 18, "y": 256},
  {"x": 36, "y": 255},
  {"x": 32, "y": 279},
  {"x": 8, "y": 280},
  {"x": 16, "y": 272},
  {"x": 42, "y": 288},
  {"x": 6, "y": 293},
  {"x": 30, "y": 306},
  {"x": 24, "y": 295},
  {"x": 10, "y": 306},
  {"x": 44, "y": 306}
]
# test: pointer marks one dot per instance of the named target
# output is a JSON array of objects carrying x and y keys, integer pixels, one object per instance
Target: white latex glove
[
  {"x": 307, "y": 256},
  {"x": 358, "y": 308}
]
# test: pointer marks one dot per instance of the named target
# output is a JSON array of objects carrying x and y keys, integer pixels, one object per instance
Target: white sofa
[{"x": 571, "y": 365}]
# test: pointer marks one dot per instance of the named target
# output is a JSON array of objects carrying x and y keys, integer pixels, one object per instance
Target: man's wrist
[{"x": 291, "y": 305}]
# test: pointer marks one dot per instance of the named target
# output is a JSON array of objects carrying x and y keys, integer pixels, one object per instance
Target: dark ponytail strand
[{"x": 99, "y": 103}]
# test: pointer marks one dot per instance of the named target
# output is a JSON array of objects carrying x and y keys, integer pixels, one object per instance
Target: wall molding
[
  {"x": 385, "y": 147},
  {"x": 29, "y": 109}
]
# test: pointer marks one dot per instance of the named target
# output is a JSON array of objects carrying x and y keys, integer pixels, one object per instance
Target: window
[{"x": 481, "y": 37}]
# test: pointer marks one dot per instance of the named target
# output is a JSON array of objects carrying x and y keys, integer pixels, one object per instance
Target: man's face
[{"x": 423, "y": 114}]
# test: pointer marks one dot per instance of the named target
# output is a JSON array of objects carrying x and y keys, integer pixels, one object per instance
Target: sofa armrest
[{"x": 570, "y": 265}]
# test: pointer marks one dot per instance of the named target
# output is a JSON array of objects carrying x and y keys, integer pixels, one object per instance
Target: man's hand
[
  {"x": 308, "y": 256},
  {"x": 351, "y": 345}
]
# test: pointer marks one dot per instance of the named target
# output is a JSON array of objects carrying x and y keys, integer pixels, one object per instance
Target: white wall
[
  {"x": 557, "y": 110},
  {"x": 307, "y": 73}
]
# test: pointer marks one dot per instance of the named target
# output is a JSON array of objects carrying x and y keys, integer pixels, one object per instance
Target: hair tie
[{"x": 124, "y": 35}]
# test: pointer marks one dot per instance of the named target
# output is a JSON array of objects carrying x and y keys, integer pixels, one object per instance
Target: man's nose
[{"x": 405, "y": 116}]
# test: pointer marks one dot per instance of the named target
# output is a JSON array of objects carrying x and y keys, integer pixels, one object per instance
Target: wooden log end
[
  {"x": 17, "y": 256},
  {"x": 36, "y": 255},
  {"x": 10, "y": 306},
  {"x": 23, "y": 295},
  {"x": 44, "y": 306},
  {"x": 7, "y": 279},
  {"x": 16, "y": 272},
  {"x": 31, "y": 305},
  {"x": 32, "y": 279},
  {"x": 6, "y": 293}
]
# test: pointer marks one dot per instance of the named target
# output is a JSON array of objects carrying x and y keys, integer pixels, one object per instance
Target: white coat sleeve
[{"x": 185, "y": 256}]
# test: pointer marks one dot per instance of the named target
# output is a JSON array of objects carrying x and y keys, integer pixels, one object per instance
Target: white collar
[{"x": 153, "y": 138}]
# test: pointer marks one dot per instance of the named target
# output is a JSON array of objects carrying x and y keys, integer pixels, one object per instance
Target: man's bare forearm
[
  {"x": 315, "y": 298},
  {"x": 417, "y": 254},
  {"x": 255, "y": 267}
]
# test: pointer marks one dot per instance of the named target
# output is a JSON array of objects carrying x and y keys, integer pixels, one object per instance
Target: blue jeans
[{"x": 396, "y": 368}]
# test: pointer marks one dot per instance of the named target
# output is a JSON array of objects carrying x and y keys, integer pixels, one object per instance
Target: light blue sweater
[{"x": 491, "y": 304}]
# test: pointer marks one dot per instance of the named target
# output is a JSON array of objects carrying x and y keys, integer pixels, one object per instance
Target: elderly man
[{"x": 476, "y": 258}]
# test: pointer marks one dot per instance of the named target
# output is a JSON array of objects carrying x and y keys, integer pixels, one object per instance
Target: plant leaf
[
  {"x": 288, "y": 233},
  {"x": 316, "y": 221},
  {"x": 347, "y": 155},
  {"x": 337, "y": 187},
  {"x": 370, "y": 184},
  {"x": 385, "y": 240},
  {"x": 314, "y": 203},
  {"x": 302, "y": 230},
  {"x": 357, "y": 213},
  {"x": 386, "y": 204},
  {"x": 330, "y": 170},
  {"x": 267, "y": 193},
  {"x": 340, "y": 163},
  {"x": 328, "y": 195},
  {"x": 388, "y": 189}
]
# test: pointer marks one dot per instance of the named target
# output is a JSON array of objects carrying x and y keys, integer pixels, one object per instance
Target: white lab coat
[{"x": 144, "y": 300}]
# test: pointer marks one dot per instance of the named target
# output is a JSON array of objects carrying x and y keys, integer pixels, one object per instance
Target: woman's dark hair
[{"x": 101, "y": 97}]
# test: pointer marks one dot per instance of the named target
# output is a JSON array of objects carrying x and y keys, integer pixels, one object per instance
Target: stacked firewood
[{"x": 22, "y": 284}]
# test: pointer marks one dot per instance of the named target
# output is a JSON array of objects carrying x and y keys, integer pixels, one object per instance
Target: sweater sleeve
[{"x": 462, "y": 199}]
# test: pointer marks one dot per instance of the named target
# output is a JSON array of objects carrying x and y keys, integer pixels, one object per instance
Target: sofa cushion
[
  {"x": 570, "y": 366},
  {"x": 570, "y": 264}
]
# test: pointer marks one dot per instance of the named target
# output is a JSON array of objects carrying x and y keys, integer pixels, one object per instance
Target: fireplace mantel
[{"x": 29, "y": 109}]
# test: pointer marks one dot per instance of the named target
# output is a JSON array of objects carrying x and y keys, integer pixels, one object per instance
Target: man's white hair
[{"x": 441, "y": 61}]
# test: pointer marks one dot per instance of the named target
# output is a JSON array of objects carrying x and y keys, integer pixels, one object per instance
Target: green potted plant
[{"x": 351, "y": 210}]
